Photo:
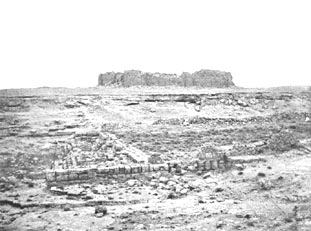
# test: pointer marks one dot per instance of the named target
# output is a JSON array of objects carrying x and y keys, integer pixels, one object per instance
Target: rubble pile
[{"x": 228, "y": 121}]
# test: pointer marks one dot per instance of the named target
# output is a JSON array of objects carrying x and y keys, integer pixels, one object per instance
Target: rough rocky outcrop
[{"x": 202, "y": 78}]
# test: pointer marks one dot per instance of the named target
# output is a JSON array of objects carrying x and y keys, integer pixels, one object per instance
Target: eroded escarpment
[{"x": 202, "y": 78}]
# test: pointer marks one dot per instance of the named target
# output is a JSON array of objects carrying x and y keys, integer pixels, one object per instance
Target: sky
[{"x": 68, "y": 43}]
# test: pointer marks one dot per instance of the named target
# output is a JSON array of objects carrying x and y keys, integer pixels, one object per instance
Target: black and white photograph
[{"x": 155, "y": 115}]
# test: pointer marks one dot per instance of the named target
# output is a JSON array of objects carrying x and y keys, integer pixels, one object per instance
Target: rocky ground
[{"x": 265, "y": 132}]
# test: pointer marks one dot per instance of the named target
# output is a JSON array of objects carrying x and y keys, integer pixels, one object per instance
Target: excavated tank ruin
[{"x": 101, "y": 156}]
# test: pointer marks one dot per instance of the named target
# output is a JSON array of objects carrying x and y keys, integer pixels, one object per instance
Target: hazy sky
[{"x": 70, "y": 42}]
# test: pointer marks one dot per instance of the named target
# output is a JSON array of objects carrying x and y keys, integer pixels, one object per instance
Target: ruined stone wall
[
  {"x": 95, "y": 156},
  {"x": 202, "y": 78},
  {"x": 125, "y": 172}
]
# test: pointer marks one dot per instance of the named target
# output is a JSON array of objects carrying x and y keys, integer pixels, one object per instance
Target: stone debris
[
  {"x": 261, "y": 174},
  {"x": 247, "y": 159},
  {"x": 207, "y": 175},
  {"x": 302, "y": 212},
  {"x": 131, "y": 183},
  {"x": 163, "y": 179},
  {"x": 240, "y": 121},
  {"x": 100, "y": 211}
]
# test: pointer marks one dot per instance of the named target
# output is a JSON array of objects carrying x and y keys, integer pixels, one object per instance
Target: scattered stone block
[
  {"x": 247, "y": 159},
  {"x": 111, "y": 170},
  {"x": 214, "y": 164},
  {"x": 75, "y": 192},
  {"x": 100, "y": 211},
  {"x": 110, "y": 157},
  {"x": 61, "y": 176},
  {"x": 72, "y": 175},
  {"x": 83, "y": 177},
  {"x": 261, "y": 174},
  {"x": 221, "y": 164},
  {"x": 116, "y": 170},
  {"x": 127, "y": 169},
  {"x": 207, "y": 175},
  {"x": 207, "y": 165},
  {"x": 171, "y": 195},
  {"x": 134, "y": 169},
  {"x": 155, "y": 167},
  {"x": 144, "y": 168},
  {"x": 121, "y": 169},
  {"x": 140, "y": 168},
  {"x": 131, "y": 183},
  {"x": 103, "y": 171},
  {"x": 66, "y": 207},
  {"x": 163, "y": 179},
  {"x": 91, "y": 173},
  {"x": 184, "y": 191},
  {"x": 240, "y": 167},
  {"x": 50, "y": 176},
  {"x": 219, "y": 189},
  {"x": 163, "y": 167},
  {"x": 57, "y": 191}
]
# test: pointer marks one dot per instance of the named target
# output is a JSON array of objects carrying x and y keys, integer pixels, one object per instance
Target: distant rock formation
[{"x": 202, "y": 78}]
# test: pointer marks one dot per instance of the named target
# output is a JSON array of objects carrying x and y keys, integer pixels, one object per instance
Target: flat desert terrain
[{"x": 161, "y": 158}]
